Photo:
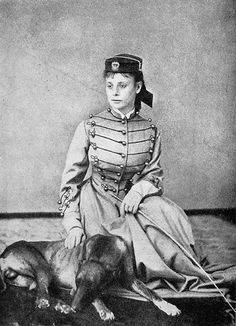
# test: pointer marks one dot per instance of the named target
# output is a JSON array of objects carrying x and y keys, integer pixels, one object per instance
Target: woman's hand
[
  {"x": 74, "y": 237},
  {"x": 130, "y": 203}
]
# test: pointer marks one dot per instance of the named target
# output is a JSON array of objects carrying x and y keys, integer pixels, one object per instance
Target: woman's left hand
[{"x": 130, "y": 203}]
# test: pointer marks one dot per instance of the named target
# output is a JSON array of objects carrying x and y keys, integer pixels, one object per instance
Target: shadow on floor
[{"x": 17, "y": 308}]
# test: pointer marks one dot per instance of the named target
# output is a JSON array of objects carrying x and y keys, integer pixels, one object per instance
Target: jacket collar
[{"x": 118, "y": 114}]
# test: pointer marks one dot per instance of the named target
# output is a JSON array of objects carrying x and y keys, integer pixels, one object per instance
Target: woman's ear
[{"x": 138, "y": 86}]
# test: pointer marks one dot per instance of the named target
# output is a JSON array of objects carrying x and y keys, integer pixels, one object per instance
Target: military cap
[
  {"x": 128, "y": 63},
  {"x": 123, "y": 63}
]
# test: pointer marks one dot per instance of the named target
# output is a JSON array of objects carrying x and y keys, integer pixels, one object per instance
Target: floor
[{"x": 215, "y": 235}]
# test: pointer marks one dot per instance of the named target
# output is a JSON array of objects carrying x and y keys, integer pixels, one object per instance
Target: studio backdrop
[{"x": 51, "y": 63}]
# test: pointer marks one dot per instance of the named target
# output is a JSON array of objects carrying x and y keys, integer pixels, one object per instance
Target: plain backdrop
[{"x": 51, "y": 63}]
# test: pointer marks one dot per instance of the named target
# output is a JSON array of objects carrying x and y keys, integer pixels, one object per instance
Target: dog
[{"x": 87, "y": 270}]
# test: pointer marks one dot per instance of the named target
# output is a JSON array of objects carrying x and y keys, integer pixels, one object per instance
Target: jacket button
[
  {"x": 114, "y": 190},
  {"x": 93, "y": 123},
  {"x": 139, "y": 172},
  {"x": 91, "y": 115},
  {"x": 153, "y": 126},
  {"x": 124, "y": 132},
  {"x": 152, "y": 139},
  {"x": 109, "y": 110},
  {"x": 116, "y": 181},
  {"x": 121, "y": 166},
  {"x": 123, "y": 121},
  {"x": 103, "y": 177},
  {"x": 150, "y": 150},
  {"x": 124, "y": 143},
  {"x": 123, "y": 155},
  {"x": 93, "y": 134},
  {"x": 118, "y": 173},
  {"x": 99, "y": 169},
  {"x": 95, "y": 146},
  {"x": 150, "y": 119},
  {"x": 105, "y": 188},
  {"x": 147, "y": 162}
]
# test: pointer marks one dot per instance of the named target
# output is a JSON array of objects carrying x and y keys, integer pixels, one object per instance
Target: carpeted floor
[
  {"x": 17, "y": 309},
  {"x": 214, "y": 234}
]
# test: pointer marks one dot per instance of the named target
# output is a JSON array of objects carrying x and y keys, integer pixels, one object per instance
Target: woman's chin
[
  {"x": 116, "y": 106},
  {"x": 120, "y": 107}
]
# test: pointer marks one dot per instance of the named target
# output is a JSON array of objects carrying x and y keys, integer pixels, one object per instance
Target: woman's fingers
[
  {"x": 65, "y": 242},
  {"x": 68, "y": 243},
  {"x": 134, "y": 209},
  {"x": 78, "y": 239},
  {"x": 130, "y": 203},
  {"x": 128, "y": 208},
  {"x": 72, "y": 240}
]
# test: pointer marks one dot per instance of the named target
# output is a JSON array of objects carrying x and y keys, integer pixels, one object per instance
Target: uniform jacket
[{"x": 122, "y": 152}]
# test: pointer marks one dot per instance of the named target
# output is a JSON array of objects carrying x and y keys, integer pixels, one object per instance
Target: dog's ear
[
  {"x": 2, "y": 282},
  {"x": 81, "y": 256},
  {"x": 83, "y": 251}
]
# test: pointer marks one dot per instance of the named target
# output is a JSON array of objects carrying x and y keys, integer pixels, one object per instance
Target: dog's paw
[
  {"x": 168, "y": 308},
  {"x": 106, "y": 314},
  {"x": 63, "y": 308},
  {"x": 42, "y": 303}
]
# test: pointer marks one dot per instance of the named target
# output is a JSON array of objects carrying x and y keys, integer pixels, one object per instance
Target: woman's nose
[{"x": 116, "y": 91}]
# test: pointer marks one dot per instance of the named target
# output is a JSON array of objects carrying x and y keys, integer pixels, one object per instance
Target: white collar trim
[{"x": 127, "y": 115}]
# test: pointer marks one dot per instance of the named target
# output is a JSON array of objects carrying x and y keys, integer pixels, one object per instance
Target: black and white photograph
[{"x": 117, "y": 162}]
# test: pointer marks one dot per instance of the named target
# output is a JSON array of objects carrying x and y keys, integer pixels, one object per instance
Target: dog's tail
[{"x": 2, "y": 281}]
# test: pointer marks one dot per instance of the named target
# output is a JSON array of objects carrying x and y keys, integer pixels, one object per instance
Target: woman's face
[{"x": 121, "y": 91}]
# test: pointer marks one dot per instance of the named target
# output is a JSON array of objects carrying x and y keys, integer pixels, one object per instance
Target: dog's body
[{"x": 86, "y": 270}]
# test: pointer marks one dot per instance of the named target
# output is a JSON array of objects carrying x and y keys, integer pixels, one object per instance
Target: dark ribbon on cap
[{"x": 145, "y": 96}]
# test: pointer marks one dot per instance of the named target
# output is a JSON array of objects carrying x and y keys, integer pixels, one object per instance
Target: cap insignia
[{"x": 115, "y": 65}]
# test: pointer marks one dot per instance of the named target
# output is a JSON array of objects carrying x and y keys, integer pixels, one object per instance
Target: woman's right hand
[{"x": 74, "y": 237}]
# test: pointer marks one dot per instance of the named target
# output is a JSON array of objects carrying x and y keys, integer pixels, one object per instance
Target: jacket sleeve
[
  {"x": 150, "y": 180},
  {"x": 76, "y": 166}
]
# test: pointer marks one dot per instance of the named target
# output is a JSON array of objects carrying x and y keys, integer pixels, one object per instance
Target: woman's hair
[{"x": 138, "y": 76}]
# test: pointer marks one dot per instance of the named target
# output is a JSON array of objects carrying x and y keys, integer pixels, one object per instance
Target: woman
[{"x": 123, "y": 196}]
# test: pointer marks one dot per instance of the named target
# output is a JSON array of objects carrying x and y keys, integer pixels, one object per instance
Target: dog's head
[{"x": 90, "y": 280}]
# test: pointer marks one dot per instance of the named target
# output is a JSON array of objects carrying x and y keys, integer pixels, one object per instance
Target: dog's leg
[
  {"x": 140, "y": 288},
  {"x": 104, "y": 313},
  {"x": 43, "y": 280}
]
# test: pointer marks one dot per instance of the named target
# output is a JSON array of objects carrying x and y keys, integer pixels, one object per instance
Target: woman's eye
[
  {"x": 123, "y": 85},
  {"x": 109, "y": 86}
]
